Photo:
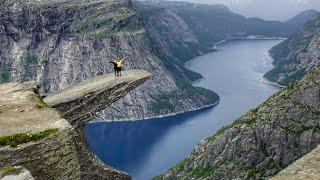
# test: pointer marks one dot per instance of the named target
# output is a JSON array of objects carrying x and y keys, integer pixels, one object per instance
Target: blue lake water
[{"x": 150, "y": 147}]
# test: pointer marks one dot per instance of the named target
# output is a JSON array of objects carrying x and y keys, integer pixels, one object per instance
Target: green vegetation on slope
[
  {"x": 252, "y": 114},
  {"x": 4, "y": 77},
  {"x": 6, "y": 169},
  {"x": 292, "y": 58},
  {"x": 2, "y": 8},
  {"x": 22, "y": 138},
  {"x": 165, "y": 103},
  {"x": 103, "y": 23},
  {"x": 29, "y": 63},
  {"x": 202, "y": 172},
  {"x": 183, "y": 77}
]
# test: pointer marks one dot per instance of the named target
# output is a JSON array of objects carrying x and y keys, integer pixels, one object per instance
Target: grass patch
[
  {"x": 202, "y": 172},
  {"x": 40, "y": 104},
  {"x": 298, "y": 129},
  {"x": 30, "y": 60},
  {"x": 160, "y": 177},
  {"x": 103, "y": 23},
  {"x": 191, "y": 90},
  {"x": 179, "y": 167},
  {"x": 21, "y": 138},
  {"x": 6, "y": 169},
  {"x": 253, "y": 171},
  {"x": 226, "y": 162},
  {"x": 186, "y": 91},
  {"x": 29, "y": 69},
  {"x": 45, "y": 62},
  {"x": 2, "y": 7},
  {"x": 162, "y": 104},
  {"x": 175, "y": 169},
  {"x": 4, "y": 77}
]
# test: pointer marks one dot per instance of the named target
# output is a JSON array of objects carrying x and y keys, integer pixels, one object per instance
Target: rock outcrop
[
  {"x": 307, "y": 167},
  {"x": 263, "y": 141},
  {"x": 35, "y": 136},
  {"x": 296, "y": 55},
  {"x": 52, "y": 144},
  {"x": 16, "y": 173},
  {"x": 81, "y": 101}
]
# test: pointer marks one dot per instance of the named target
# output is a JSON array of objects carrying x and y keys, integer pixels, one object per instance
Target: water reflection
[{"x": 126, "y": 145}]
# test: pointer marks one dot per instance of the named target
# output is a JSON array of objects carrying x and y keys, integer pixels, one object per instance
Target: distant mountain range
[
  {"x": 300, "y": 19},
  {"x": 213, "y": 23}
]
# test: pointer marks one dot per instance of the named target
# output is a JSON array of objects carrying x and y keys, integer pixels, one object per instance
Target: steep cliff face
[
  {"x": 51, "y": 143},
  {"x": 296, "y": 55},
  {"x": 263, "y": 141},
  {"x": 34, "y": 135},
  {"x": 59, "y": 43}
]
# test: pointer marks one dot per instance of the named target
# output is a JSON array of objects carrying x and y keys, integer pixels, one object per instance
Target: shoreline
[
  {"x": 265, "y": 80},
  {"x": 160, "y": 116},
  {"x": 252, "y": 37}
]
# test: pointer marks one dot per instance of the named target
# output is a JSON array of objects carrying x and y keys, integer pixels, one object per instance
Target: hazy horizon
[{"x": 266, "y": 9}]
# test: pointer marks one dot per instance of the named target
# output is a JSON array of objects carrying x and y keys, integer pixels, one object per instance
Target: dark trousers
[{"x": 118, "y": 71}]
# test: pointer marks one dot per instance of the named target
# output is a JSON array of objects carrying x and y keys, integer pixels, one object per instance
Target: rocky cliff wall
[
  {"x": 59, "y": 43},
  {"x": 297, "y": 55}
]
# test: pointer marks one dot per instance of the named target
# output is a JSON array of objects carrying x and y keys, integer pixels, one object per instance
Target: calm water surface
[{"x": 148, "y": 148}]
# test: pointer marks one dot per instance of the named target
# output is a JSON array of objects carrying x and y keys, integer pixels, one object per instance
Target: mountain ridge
[
  {"x": 296, "y": 55},
  {"x": 303, "y": 17}
]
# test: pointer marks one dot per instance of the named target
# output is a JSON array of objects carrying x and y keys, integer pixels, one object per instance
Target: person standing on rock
[
  {"x": 117, "y": 66},
  {"x": 120, "y": 64},
  {"x": 114, "y": 67}
]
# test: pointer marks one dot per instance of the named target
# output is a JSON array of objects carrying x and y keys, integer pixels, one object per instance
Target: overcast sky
[{"x": 266, "y": 9}]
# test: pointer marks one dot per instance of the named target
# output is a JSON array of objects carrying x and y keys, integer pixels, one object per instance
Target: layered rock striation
[
  {"x": 51, "y": 142},
  {"x": 35, "y": 136}
]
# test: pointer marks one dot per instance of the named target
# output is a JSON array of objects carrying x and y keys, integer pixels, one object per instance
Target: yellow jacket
[{"x": 120, "y": 63}]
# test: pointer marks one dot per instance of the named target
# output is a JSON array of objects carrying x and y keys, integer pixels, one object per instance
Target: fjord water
[{"x": 150, "y": 147}]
